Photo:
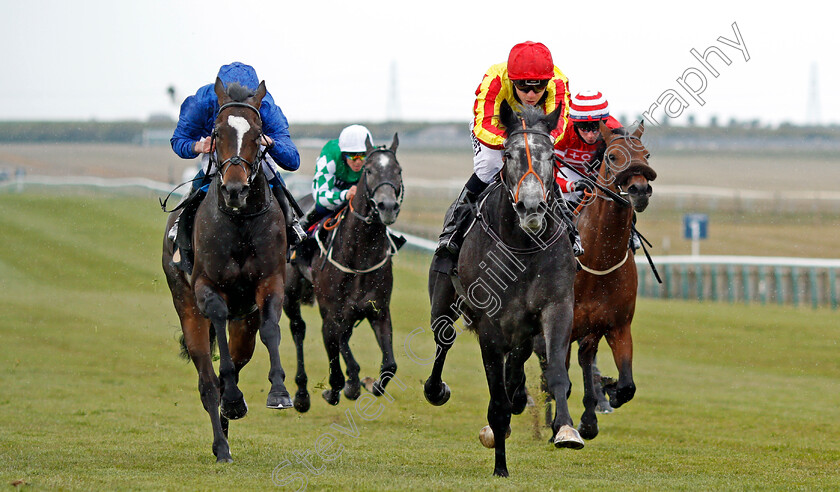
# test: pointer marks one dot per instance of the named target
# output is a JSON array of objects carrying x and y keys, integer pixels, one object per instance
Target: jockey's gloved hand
[{"x": 583, "y": 185}]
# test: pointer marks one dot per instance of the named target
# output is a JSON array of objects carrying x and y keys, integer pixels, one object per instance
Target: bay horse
[
  {"x": 605, "y": 287},
  {"x": 239, "y": 270},
  {"x": 513, "y": 281},
  {"x": 352, "y": 280}
]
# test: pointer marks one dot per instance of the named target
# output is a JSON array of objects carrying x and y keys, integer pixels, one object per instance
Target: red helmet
[{"x": 530, "y": 61}]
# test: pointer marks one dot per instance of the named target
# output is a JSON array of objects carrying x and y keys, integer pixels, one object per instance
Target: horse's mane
[{"x": 238, "y": 92}]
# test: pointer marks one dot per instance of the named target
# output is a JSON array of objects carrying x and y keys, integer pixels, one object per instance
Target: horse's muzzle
[
  {"x": 639, "y": 194},
  {"x": 235, "y": 194},
  {"x": 531, "y": 218},
  {"x": 388, "y": 210}
]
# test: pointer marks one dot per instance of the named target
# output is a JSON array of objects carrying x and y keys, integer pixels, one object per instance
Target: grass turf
[{"x": 95, "y": 397}]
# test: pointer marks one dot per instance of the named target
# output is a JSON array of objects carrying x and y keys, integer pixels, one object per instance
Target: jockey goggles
[
  {"x": 527, "y": 86},
  {"x": 355, "y": 156},
  {"x": 588, "y": 126}
]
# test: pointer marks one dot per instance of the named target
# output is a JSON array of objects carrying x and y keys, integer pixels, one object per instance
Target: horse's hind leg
[
  {"x": 621, "y": 344},
  {"x": 214, "y": 306},
  {"x": 384, "y": 333},
  {"x": 291, "y": 306},
  {"x": 539, "y": 350},
  {"x": 269, "y": 302},
  {"x": 444, "y": 301},
  {"x": 515, "y": 376},
  {"x": 589, "y": 420}
]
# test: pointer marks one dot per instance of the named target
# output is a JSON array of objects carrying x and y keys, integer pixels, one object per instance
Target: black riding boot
[
  {"x": 635, "y": 240},
  {"x": 294, "y": 232},
  {"x": 183, "y": 257},
  {"x": 457, "y": 218}
]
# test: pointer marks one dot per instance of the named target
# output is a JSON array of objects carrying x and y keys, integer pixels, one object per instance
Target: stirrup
[{"x": 296, "y": 234}]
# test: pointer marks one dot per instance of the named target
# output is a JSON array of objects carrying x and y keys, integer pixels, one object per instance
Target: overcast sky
[{"x": 329, "y": 61}]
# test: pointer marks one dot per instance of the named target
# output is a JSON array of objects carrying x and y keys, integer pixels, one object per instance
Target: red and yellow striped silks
[{"x": 496, "y": 87}]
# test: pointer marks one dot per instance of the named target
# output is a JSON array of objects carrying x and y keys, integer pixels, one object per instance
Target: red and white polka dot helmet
[{"x": 589, "y": 106}]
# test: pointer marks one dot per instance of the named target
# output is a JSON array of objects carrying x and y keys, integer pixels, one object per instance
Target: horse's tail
[{"x": 185, "y": 354}]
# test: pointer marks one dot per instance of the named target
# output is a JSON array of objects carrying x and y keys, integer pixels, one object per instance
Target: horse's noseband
[{"x": 514, "y": 196}]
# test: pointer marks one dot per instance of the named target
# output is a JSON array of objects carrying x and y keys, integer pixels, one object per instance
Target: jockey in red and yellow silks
[
  {"x": 496, "y": 87},
  {"x": 528, "y": 78}
]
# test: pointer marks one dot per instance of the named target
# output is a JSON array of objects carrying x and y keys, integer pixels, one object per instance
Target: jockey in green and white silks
[{"x": 337, "y": 171}]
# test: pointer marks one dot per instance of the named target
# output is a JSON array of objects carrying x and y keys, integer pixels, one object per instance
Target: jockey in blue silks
[{"x": 192, "y": 139}]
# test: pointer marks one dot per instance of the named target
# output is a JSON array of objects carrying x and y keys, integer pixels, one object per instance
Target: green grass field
[{"x": 95, "y": 397}]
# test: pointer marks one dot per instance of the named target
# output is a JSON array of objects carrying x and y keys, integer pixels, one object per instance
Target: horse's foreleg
[
  {"x": 621, "y": 343},
  {"x": 197, "y": 340},
  {"x": 557, "y": 330},
  {"x": 291, "y": 306},
  {"x": 499, "y": 409},
  {"x": 214, "y": 306},
  {"x": 515, "y": 375},
  {"x": 333, "y": 331},
  {"x": 269, "y": 302},
  {"x": 352, "y": 387},
  {"x": 443, "y": 299},
  {"x": 589, "y": 420},
  {"x": 384, "y": 336}
]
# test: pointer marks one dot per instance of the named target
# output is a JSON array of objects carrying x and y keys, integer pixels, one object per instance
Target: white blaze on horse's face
[{"x": 241, "y": 126}]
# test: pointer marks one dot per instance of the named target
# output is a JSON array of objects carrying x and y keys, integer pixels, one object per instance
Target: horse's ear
[
  {"x": 395, "y": 143},
  {"x": 553, "y": 118},
  {"x": 259, "y": 95},
  {"x": 506, "y": 115},
  {"x": 605, "y": 131},
  {"x": 639, "y": 129},
  {"x": 368, "y": 144},
  {"x": 219, "y": 88}
]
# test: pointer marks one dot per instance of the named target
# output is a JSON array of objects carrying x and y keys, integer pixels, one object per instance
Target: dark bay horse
[
  {"x": 514, "y": 282},
  {"x": 605, "y": 287},
  {"x": 239, "y": 273},
  {"x": 352, "y": 279}
]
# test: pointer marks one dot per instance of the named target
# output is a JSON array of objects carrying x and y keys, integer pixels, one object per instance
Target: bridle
[
  {"x": 399, "y": 192},
  {"x": 237, "y": 160},
  {"x": 514, "y": 194}
]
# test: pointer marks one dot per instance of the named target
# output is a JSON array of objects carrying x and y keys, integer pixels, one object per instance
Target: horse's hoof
[
  {"x": 500, "y": 472},
  {"x": 352, "y": 392},
  {"x": 603, "y": 407},
  {"x": 568, "y": 437},
  {"x": 520, "y": 401},
  {"x": 331, "y": 397},
  {"x": 372, "y": 386},
  {"x": 531, "y": 402},
  {"x": 233, "y": 410},
  {"x": 441, "y": 398},
  {"x": 488, "y": 440},
  {"x": 278, "y": 401},
  {"x": 222, "y": 453},
  {"x": 588, "y": 432},
  {"x": 302, "y": 402}
]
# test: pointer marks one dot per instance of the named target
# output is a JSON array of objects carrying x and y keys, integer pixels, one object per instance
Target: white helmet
[{"x": 352, "y": 139}]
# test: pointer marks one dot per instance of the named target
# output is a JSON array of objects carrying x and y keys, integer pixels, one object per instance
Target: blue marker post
[{"x": 695, "y": 227}]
